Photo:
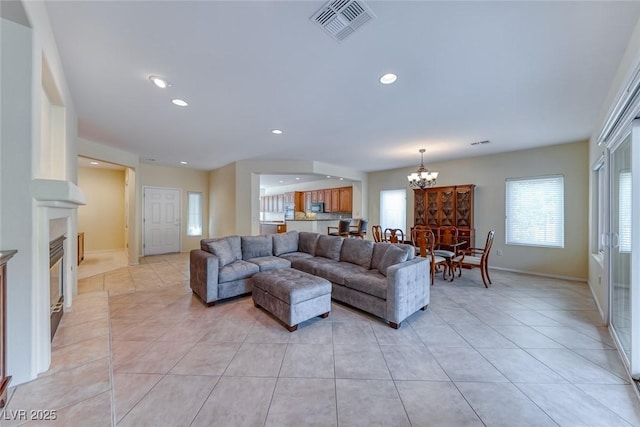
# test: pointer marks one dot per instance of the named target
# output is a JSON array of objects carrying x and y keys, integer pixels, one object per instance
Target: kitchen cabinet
[
  {"x": 446, "y": 206},
  {"x": 327, "y": 200},
  {"x": 314, "y": 197},
  {"x": 280, "y": 204},
  {"x": 299, "y": 201},
  {"x": 346, "y": 199},
  {"x": 335, "y": 200}
]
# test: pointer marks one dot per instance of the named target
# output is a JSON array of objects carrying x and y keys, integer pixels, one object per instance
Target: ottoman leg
[
  {"x": 325, "y": 315},
  {"x": 256, "y": 305},
  {"x": 394, "y": 325},
  {"x": 292, "y": 328}
]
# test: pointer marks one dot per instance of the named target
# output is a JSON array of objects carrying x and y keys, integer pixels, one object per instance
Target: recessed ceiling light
[
  {"x": 277, "y": 131},
  {"x": 158, "y": 81},
  {"x": 297, "y": 177},
  {"x": 179, "y": 102},
  {"x": 94, "y": 163},
  {"x": 183, "y": 163},
  {"x": 328, "y": 176},
  {"x": 281, "y": 182},
  {"x": 341, "y": 179},
  {"x": 388, "y": 78}
]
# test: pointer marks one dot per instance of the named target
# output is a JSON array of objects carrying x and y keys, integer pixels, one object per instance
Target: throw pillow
[
  {"x": 307, "y": 242},
  {"x": 256, "y": 246},
  {"x": 379, "y": 249},
  {"x": 283, "y": 243},
  {"x": 329, "y": 247},
  {"x": 222, "y": 250},
  {"x": 357, "y": 251},
  {"x": 392, "y": 256}
]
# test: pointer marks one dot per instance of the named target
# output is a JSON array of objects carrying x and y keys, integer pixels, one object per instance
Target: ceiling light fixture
[
  {"x": 328, "y": 176},
  {"x": 183, "y": 163},
  {"x": 388, "y": 78},
  {"x": 158, "y": 81},
  {"x": 94, "y": 163},
  {"x": 276, "y": 131},
  {"x": 179, "y": 102},
  {"x": 298, "y": 178},
  {"x": 422, "y": 178}
]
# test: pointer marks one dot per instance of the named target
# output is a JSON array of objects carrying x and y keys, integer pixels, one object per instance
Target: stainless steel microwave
[{"x": 317, "y": 207}]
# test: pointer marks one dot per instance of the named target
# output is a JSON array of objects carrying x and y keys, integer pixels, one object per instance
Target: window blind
[
  {"x": 393, "y": 209},
  {"x": 535, "y": 211},
  {"x": 624, "y": 212},
  {"x": 194, "y": 214}
]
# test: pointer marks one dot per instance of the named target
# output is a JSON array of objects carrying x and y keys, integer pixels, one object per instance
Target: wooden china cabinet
[{"x": 446, "y": 206}]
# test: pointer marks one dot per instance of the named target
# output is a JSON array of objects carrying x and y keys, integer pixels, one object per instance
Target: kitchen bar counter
[
  {"x": 312, "y": 225},
  {"x": 272, "y": 227}
]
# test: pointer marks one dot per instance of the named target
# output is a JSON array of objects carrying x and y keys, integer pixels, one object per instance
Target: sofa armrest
[
  {"x": 408, "y": 288},
  {"x": 203, "y": 278}
]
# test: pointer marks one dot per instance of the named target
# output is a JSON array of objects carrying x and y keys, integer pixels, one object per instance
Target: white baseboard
[
  {"x": 602, "y": 314},
  {"x": 105, "y": 251},
  {"x": 532, "y": 273}
]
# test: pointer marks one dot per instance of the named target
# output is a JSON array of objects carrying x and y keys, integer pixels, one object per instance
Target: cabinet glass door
[{"x": 624, "y": 290}]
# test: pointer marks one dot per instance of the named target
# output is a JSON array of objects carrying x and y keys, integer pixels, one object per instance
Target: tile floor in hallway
[{"x": 138, "y": 349}]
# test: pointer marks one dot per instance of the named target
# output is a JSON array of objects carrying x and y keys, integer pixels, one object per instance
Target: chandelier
[{"x": 422, "y": 178}]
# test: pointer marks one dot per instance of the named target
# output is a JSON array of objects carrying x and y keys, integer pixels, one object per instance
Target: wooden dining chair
[
  {"x": 376, "y": 231},
  {"x": 476, "y": 257},
  {"x": 447, "y": 245},
  {"x": 393, "y": 235},
  {"x": 424, "y": 239}
]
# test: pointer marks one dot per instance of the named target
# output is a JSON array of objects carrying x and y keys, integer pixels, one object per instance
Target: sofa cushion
[
  {"x": 308, "y": 265},
  {"x": 329, "y": 247},
  {"x": 284, "y": 243},
  {"x": 294, "y": 255},
  {"x": 307, "y": 242},
  {"x": 222, "y": 250},
  {"x": 266, "y": 263},
  {"x": 393, "y": 255},
  {"x": 370, "y": 282},
  {"x": 338, "y": 272},
  {"x": 256, "y": 246},
  {"x": 237, "y": 270},
  {"x": 357, "y": 251},
  {"x": 379, "y": 249}
]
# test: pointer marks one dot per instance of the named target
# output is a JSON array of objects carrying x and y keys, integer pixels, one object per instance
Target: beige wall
[
  {"x": 186, "y": 180},
  {"x": 488, "y": 173},
  {"x": 222, "y": 196},
  {"x": 102, "y": 218}
]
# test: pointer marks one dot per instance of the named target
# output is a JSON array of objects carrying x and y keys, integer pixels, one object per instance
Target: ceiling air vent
[{"x": 341, "y": 18}]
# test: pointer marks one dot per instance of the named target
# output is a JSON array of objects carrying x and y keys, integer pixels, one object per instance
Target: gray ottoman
[{"x": 292, "y": 296}]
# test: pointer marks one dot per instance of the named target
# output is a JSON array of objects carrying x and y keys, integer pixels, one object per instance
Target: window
[
  {"x": 393, "y": 209},
  {"x": 535, "y": 211},
  {"x": 624, "y": 211},
  {"x": 194, "y": 214}
]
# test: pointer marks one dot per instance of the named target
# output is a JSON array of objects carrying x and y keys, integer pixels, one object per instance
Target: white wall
[
  {"x": 488, "y": 173},
  {"x": 24, "y": 47},
  {"x": 625, "y": 73}
]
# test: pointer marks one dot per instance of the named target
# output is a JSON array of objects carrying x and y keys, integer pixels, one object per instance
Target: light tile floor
[{"x": 138, "y": 349}]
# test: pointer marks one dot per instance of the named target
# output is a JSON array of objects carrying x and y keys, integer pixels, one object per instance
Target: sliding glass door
[{"x": 624, "y": 283}]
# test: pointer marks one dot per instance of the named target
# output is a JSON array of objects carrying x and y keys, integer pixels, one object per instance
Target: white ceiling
[
  {"x": 520, "y": 74},
  {"x": 86, "y": 162}
]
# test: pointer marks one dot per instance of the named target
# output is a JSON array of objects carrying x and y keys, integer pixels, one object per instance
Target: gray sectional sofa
[{"x": 383, "y": 279}]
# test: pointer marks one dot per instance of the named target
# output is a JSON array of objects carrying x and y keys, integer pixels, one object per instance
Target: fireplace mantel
[{"x": 57, "y": 194}]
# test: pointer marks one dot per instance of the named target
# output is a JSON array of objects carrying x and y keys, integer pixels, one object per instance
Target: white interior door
[{"x": 161, "y": 220}]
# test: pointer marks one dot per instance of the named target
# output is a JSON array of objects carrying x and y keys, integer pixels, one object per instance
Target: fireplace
[{"x": 56, "y": 282}]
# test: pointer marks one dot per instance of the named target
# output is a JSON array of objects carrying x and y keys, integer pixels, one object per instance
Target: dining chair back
[
  {"x": 393, "y": 235},
  {"x": 424, "y": 240},
  {"x": 341, "y": 230},
  {"x": 376, "y": 230},
  {"x": 476, "y": 257},
  {"x": 360, "y": 229}
]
